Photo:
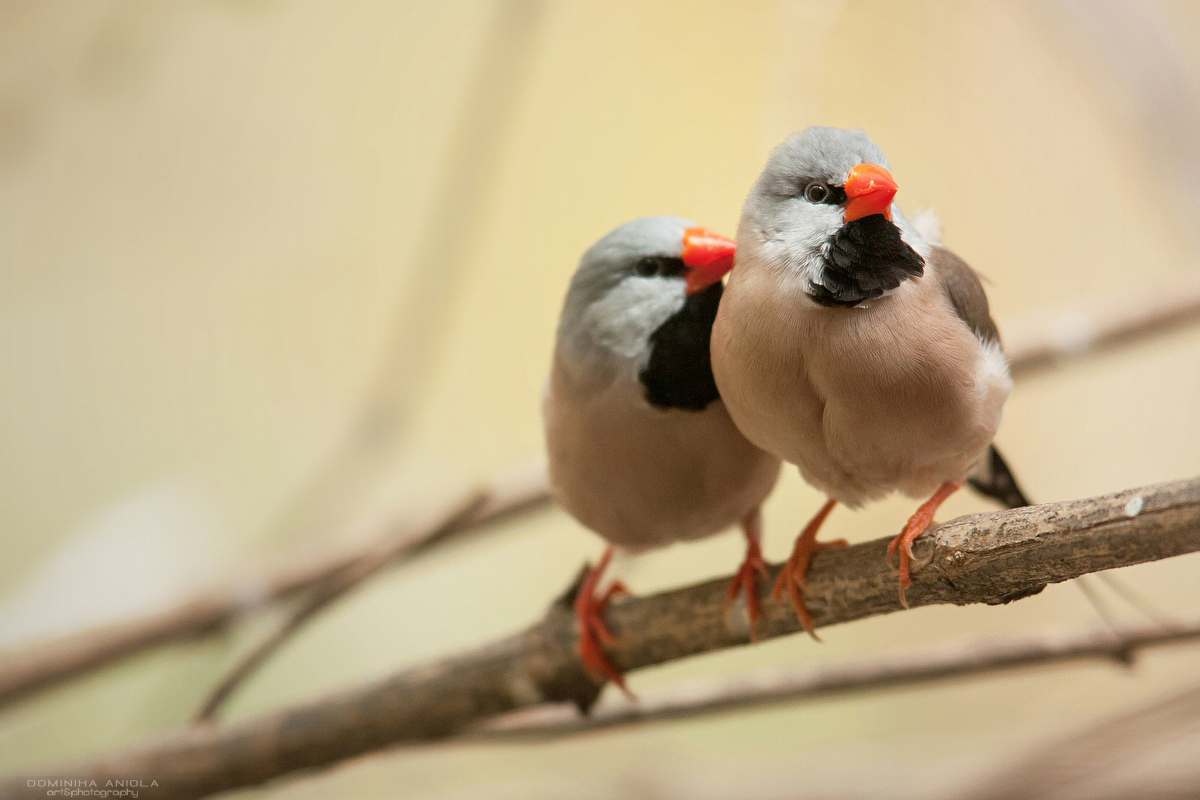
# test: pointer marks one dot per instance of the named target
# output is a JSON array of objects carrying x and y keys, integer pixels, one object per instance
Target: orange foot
[
  {"x": 792, "y": 576},
  {"x": 593, "y": 631},
  {"x": 746, "y": 578},
  {"x": 917, "y": 525}
]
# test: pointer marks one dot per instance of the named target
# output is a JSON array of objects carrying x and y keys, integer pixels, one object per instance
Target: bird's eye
[
  {"x": 647, "y": 267},
  {"x": 816, "y": 193}
]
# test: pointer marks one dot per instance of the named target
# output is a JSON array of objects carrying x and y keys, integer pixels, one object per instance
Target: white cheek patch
[
  {"x": 619, "y": 324},
  {"x": 800, "y": 248}
]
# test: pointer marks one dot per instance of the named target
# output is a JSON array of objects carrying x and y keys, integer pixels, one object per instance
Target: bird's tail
[{"x": 994, "y": 479}]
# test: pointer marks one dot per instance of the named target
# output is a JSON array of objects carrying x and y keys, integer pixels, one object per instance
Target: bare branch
[
  {"x": 441, "y": 254},
  {"x": 31, "y": 669},
  {"x": 329, "y": 590},
  {"x": 1043, "y": 339},
  {"x": 973, "y": 559},
  {"x": 474, "y": 155},
  {"x": 1102, "y": 761},
  {"x": 788, "y": 684}
]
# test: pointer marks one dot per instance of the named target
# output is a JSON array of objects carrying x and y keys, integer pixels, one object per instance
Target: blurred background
[{"x": 272, "y": 271}]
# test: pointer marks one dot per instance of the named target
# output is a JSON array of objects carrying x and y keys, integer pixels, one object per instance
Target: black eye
[
  {"x": 647, "y": 267},
  {"x": 816, "y": 193}
]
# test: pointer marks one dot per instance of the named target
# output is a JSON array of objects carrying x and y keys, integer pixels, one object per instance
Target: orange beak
[
  {"x": 708, "y": 256},
  {"x": 869, "y": 190}
]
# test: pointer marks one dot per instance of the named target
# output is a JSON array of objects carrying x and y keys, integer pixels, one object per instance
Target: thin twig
[
  {"x": 440, "y": 255},
  {"x": 1087, "y": 763},
  {"x": 1138, "y": 601},
  {"x": 473, "y": 159},
  {"x": 1045, "y": 338},
  {"x": 329, "y": 590},
  {"x": 789, "y": 685},
  {"x": 31, "y": 669},
  {"x": 973, "y": 559},
  {"x": 1101, "y": 606}
]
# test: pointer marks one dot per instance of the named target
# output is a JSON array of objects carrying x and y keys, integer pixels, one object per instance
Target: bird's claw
[
  {"x": 746, "y": 580},
  {"x": 792, "y": 577},
  {"x": 918, "y": 523},
  {"x": 594, "y": 631}
]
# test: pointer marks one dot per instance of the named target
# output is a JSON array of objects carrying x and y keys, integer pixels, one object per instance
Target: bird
[
  {"x": 640, "y": 447},
  {"x": 851, "y": 343}
]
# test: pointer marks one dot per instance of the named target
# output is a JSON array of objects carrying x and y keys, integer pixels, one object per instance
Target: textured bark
[
  {"x": 978, "y": 558},
  {"x": 792, "y": 684}
]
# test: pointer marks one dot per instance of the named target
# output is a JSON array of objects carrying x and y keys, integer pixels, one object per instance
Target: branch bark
[
  {"x": 789, "y": 685},
  {"x": 973, "y": 559}
]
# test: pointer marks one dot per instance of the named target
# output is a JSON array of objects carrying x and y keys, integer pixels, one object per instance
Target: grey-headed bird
[
  {"x": 641, "y": 448},
  {"x": 855, "y": 347}
]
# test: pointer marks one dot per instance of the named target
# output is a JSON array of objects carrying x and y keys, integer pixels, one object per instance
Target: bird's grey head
[
  {"x": 821, "y": 213},
  {"x": 644, "y": 292}
]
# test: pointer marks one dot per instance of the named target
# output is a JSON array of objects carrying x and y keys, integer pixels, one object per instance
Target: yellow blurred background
[{"x": 215, "y": 221}]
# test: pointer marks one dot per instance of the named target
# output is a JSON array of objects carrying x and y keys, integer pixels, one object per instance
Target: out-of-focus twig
[
  {"x": 789, "y": 684},
  {"x": 973, "y": 559},
  {"x": 1087, "y": 764},
  {"x": 1141, "y": 62},
  {"x": 1138, "y": 601},
  {"x": 333, "y": 587},
  {"x": 1045, "y": 338},
  {"x": 30, "y": 669},
  {"x": 440, "y": 255},
  {"x": 473, "y": 161}
]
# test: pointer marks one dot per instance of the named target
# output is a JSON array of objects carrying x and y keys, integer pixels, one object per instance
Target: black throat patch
[
  {"x": 866, "y": 258},
  {"x": 679, "y": 373}
]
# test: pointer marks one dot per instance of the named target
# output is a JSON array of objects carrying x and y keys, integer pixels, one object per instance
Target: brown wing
[
  {"x": 992, "y": 476},
  {"x": 961, "y": 285}
]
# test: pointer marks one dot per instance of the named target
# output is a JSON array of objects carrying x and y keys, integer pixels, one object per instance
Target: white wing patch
[{"x": 991, "y": 371}]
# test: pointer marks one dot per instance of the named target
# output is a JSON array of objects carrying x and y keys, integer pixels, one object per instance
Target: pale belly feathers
[
  {"x": 643, "y": 477},
  {"x": 899, "y": 396}
]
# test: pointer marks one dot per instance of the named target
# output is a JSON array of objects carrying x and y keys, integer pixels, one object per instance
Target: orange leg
[
  {"x": 746, "y": 578},
  {"x": 792, "y": 576},
  {"x": 593, "y": 631},
  {"x": 917, "y": 524}
]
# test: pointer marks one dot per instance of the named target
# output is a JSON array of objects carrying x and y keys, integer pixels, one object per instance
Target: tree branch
[
  {"x": 1094, "y": 757},
  {"x": 973, "y": 559},
  {"x": 442, "y": 250},
  {"x": 787, "y": 685},
  {"x": 1036, "y": 344},
  {"x": 1045, "y": 338},
  {"x": 329, "y": 590},
  {"x": 32, "y": 669}
]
